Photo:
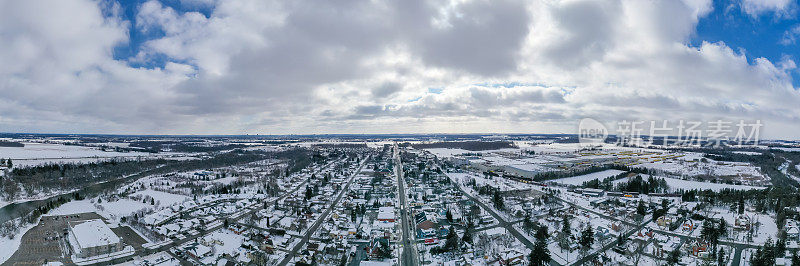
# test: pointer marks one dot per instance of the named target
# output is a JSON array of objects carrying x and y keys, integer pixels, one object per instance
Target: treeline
[
  {"x": 636, "y": 184},
  {"x": 605, "y": 184},
  {"x": 4, "y": 143},
  {"x": 182, "y": 146},
  {"x": 467, "y": 145},
  {"x": 544, "y": 176}
]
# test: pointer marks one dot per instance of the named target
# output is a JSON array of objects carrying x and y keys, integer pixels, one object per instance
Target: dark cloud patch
[
  {"x": 386, "y": 89},
  {"x": 587, "y": 32},
  {"x": 482, "y": 37}
]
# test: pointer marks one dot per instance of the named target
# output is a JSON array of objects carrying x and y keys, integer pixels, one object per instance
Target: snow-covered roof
[
  {"x": 93, "y": 233},
  {"x": 386, "y": 213}
]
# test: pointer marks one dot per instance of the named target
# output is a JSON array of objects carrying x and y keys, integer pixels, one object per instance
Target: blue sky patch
[
  {"x": 757, "y": 37},
  {"x": 138, "y": 38}
]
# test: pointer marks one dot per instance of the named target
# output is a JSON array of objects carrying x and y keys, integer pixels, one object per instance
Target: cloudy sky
[{"x": 277, "y": 67}]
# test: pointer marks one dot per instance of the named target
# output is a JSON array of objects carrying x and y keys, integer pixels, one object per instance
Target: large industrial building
[{"x": 91, "y": 238}]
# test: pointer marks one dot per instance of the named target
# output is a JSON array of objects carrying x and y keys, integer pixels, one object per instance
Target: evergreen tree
[
  {"x": 452, "y": 240},
  {"x": 467, "y": 237},
  {"x": 565, "y": 226},
  {"x": 527, "y": 223},
  {"x": 541, "y": 233},
  {"x": 741, "y": 205},
  {"x": 674, "y": 257},
  {"x": 640, "y": 209},
  {"x": 540, "y": 255},
  {"x": 498, "y": 200},
  {"x": 587, "y": 238},
  {"x": 449, "y": 216}
]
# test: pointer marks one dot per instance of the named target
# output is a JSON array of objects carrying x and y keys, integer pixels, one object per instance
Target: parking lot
[{"x": 47, "y": 241}]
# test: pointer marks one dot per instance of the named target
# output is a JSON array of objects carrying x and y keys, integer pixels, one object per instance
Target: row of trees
[
  {"x": 543, "y": 176},
  {"x": 765, "y": 255},
  {"x": 638, "y": 184}
]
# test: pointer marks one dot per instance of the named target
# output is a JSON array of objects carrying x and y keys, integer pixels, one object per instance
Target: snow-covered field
[
  {"x": 578, "y": 180},
  {"x": 39, "y": 153},
  {"x": 164, "y": 198}
]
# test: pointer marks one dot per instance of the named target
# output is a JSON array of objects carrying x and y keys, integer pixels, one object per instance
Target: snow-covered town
[
  {"x": 400, "y": 133},
  {"x": 397, "y": 202}
]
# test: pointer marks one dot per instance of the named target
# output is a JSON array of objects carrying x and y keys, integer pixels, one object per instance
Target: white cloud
[
  {"x": 755, "y": 8},
  {"x": 255, "y": 66},
  {"x": 790, "y": 36}
]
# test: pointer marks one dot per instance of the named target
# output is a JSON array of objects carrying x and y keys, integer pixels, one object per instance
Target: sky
[{"x": 405, "y": 66}]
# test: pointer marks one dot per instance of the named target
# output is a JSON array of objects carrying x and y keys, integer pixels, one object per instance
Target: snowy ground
[
  {"x": 110, "y": 210},
  {"x": 164, "y": 198},
  {"x": 578, "y": 180},
  {"x": 766, "y": 225},
  {"x": 9, "y": 246}
]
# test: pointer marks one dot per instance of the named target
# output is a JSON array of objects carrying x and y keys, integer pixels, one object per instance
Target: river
[{"x": 18, "y": 209}]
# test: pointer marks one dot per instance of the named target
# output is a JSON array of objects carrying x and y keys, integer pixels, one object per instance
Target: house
[
  {"x": 198, "y": 251},
  {"x": 386, "y": 214},
  {"x": 91, "y": 238},
  {"x": 792, "y": 230},
  {"x": 698, "y": 248},
  {"x": 427, "y": 224},
  {"x": 743, "y": 223},
  {"x": 511, "y": 257},
  {"x": 664, "y": 245},
  {"x": 602, "y": 232},
  {"x": 374, "y": 248},
  {"x": 688, "y": 225},
  {"x": 665, "y": 220}
]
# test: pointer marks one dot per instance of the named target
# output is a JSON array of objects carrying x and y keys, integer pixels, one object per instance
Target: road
[
  {"x": 502, "y": 222},
  {"x": 410, "y": 255},
  {"x": 322, "y": 217}
]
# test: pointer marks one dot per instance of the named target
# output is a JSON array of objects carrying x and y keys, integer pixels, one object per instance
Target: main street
[{"x": 410, "y": 255}]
